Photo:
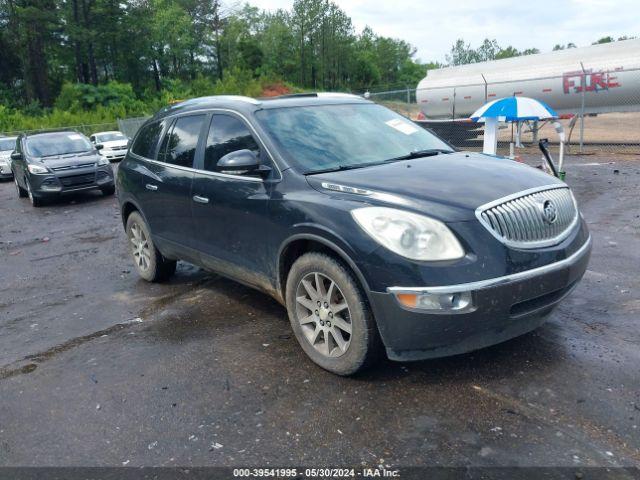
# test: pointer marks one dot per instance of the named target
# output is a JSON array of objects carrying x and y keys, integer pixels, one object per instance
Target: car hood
[
  {"x": 449, "y": 187},
  {"x": 69, "y": 160},
  {"x": 5, "y": 155}
]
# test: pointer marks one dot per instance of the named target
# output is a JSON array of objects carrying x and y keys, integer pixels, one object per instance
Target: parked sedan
[
  {"x": 47, "y": 165},
  {"x": 7, "y": 145},
  {"x": 375, "y": 234},
  {"x": 114, "y": 144}
]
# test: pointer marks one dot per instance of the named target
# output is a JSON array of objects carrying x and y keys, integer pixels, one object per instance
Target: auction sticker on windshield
[{"x": 402, "y": 126}]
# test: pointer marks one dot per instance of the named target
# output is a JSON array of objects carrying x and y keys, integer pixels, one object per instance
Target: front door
[
  {"x": 167, "y": 185},
  {"x": 230, "y": 211}
]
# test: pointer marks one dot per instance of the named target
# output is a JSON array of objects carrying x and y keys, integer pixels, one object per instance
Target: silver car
[{"x": 7, "y": 145}]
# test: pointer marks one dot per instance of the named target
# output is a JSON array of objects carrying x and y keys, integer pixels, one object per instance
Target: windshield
[
  {"x": 110, "y": 137},
  {"x": 327, "y": 137},
  {"x": 51, "y": 144},
  {"x": 7, "y": 144}
]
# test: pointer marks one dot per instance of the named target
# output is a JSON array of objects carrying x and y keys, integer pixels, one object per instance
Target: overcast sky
[{"x": 433, "y": 26}]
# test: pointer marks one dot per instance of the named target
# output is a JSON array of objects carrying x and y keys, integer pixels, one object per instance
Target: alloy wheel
[
  {"x": 324, "y": 315},
  {"x": 140, "y": 247}
]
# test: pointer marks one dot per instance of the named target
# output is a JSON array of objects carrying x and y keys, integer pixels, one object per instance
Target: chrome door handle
[
  {"x": 149, "y": 186},
  {"x": 199, "y": 199}
]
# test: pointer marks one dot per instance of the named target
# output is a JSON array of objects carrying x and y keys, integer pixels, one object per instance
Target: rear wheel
[
  {"x": 149, "y": 262},
  {"x": 330, "y": 316},
  {"x": 22, "y": 193}
]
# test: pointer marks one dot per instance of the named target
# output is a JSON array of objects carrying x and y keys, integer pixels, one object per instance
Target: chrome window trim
[
  {"x": 534, "y": 244},
  {"x": 195, "y": 170},
  {"x": 207, "y": 172},
  {"x": 498, "y": 281}
]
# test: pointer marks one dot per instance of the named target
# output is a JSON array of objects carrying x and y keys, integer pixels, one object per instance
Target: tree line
[{"x": 152, "y": 44}]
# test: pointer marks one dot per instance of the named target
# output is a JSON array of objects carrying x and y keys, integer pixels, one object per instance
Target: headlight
[
  {"x": 37, "y": 169},
  {"x": 103, "y": 161},
  {"x": 408, "y": 234}
]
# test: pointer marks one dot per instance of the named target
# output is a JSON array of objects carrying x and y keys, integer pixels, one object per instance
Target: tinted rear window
[
  {"x": 147, "y": 140},
  {"x": 181, "y": 141}
]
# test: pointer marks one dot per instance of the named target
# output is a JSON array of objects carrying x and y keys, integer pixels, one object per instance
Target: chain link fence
[
  {"x": 128, "y": 126},
  {"x": 599, "y": 110},
  {"x": 87, "y": 129}
]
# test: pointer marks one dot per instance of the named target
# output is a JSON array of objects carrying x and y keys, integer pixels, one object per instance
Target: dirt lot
[{"x": 100, "y": 368}]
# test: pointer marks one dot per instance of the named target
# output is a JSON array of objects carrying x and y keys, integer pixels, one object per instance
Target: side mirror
[
  {"x": 99, "y": 146},
  {"x": 16, "y": 156},
  {"x": 241, "y": 162}
]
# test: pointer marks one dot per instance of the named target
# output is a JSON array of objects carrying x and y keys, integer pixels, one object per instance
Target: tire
[
  {"x": 108, "y": 191},
  {"x": 149, "y": 262},
  {"x": 330, "y": 345},
  {"x": 35, "y": 201},
  {"x": 22, "y": 193}
]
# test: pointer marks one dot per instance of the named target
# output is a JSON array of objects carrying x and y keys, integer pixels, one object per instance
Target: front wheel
[
  {"x": 330, "y": 316},
  {"x": 149, "y": 262},
  {"x": 35, "y": 201},
  {"x": 22, "y": 193}
]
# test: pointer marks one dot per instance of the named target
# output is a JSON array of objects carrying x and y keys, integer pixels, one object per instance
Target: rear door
[
  {"x": 167, "y": 184},
  {"x": 231, "y": 227}
]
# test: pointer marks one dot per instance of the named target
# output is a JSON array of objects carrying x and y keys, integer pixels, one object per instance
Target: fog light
[
  {"x": 436, "y": 302},
  {"x": 50, "y": 185}
]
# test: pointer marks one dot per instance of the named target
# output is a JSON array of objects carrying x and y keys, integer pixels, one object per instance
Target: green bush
[
  {"x": 81, "y": 97},
  {"x": 82, "y": 104}
]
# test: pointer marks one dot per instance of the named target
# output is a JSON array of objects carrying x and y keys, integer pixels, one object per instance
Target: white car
[
  {"x": 7, "y": 145},
  {"x": 114, "y": 144}
]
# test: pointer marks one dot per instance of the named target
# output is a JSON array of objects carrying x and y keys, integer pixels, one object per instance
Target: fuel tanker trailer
[{"x": 603, "y": 78}]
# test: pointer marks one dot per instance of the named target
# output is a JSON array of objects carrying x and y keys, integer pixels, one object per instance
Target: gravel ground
[{"x": 100, "y": 368}]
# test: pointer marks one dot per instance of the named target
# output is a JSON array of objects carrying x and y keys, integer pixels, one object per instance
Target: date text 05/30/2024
[{"x": 316, "y": 472}]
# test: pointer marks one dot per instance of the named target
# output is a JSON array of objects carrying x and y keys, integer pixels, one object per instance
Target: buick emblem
[{"x": 549, "y": 211}]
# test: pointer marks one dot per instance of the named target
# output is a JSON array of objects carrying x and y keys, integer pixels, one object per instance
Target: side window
[
  {"x": 181, "y": 141},
  {"x": 147, "y": 140},
  {"x": 162, "y": 152},
  {"x": 227, "y": 134},
  {"x": 92, "y": 139}
]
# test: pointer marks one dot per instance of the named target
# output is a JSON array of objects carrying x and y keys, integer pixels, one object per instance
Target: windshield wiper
[
  {"x": 339, "y": 168},
  {"x": 409, "y": 156},
  {"x": 420, "y": 154},
  {"x": 83, "y": 152}
]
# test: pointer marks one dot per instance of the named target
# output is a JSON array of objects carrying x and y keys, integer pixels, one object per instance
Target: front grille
[
  {"x": 72, "y": 167},
  {"x": 531, "y": 219},
  {"x": 78, "y": 180}
]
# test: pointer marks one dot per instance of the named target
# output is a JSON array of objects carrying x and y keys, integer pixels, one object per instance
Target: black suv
[
  {"x": 374, "y": 233},
  {"x": 46, "y": 165}
]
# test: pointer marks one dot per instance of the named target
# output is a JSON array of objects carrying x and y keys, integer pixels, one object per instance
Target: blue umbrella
[
  {"x": 509, "y": 109},
  {"x": 514, "y": 109}
]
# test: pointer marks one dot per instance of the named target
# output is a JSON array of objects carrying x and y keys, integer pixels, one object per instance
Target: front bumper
[
  {"x": 5, "y": 169},
  {"x": 72, "y": 181},
  {"x": 502, "y": 308},
  {"x": 113, "y": 155}
]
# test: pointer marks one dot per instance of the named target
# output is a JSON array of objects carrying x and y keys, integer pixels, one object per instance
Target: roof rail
[
  {"x": 315, "y": 95},
  {"x": 209, "y": 98},
  {"x": 338, "y": 95}
]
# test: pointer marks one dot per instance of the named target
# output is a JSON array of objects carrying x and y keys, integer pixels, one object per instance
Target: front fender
[{"x": 328, "y": 238}]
